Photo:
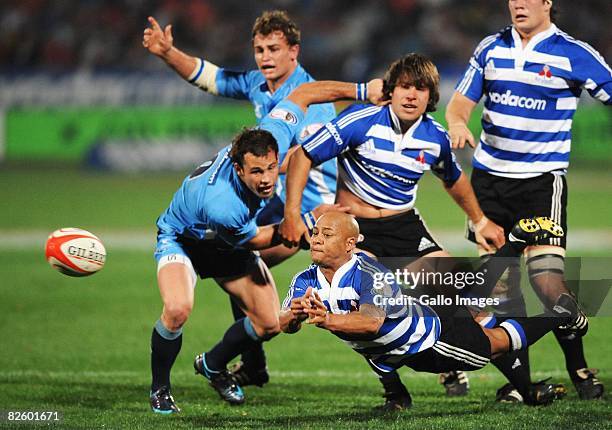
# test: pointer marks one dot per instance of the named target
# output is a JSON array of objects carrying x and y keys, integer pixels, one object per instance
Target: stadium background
[{"x": 97, "y": 133}]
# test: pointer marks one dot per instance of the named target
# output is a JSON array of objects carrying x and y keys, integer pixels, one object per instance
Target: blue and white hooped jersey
[
  {"x": 407, "y": 329},
  {"x": 251, "y": 85},
  {"x": 213, "y": 202},
  {"x": 378, "y": 163},
  {"x": 531, "y": 95}
]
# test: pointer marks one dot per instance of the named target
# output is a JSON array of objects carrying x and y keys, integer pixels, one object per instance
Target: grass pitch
[{"x": 81, "y": 346}]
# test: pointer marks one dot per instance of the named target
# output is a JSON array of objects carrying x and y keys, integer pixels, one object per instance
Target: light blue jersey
[
  {"x": 408, "y": 328},
  {"x": 321, "y": 185},
  {"x": 531, "y": 95},
  {"x": 213, "y": 202},
  {"x": 376, "y": 161}
]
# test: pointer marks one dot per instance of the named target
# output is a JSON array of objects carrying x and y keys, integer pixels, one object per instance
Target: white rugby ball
[{"x": 75, "y": 252}]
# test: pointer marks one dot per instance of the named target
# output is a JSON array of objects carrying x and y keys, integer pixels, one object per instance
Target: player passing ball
[{"x": 338, "y": 293}]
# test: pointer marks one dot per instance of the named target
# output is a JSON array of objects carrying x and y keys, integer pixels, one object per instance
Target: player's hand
[
  {"x": 291, "y": 230},
  {"x": 459, "y": 134},
  {"x": 317, "y": 313},
  {"x": 298, "y": 310},
  {"x": 324, "y": 208},
  {"x": 158, "y": 42},
  {"x": 486, "y": 231},
  {"x": 375, "y": 92}
]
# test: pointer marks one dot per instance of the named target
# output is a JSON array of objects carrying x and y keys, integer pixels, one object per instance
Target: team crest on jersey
[
  {"x": 421, "y": 157},
  {"x": 284, "y": 115},
  {"x": 545, "y": 74}
]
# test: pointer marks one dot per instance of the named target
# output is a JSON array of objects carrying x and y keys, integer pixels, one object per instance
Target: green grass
[
  {"x": 50, "y": 198},
  {"x": 81, "y": 346}
]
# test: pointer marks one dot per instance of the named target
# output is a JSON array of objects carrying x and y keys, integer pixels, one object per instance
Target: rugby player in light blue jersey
[
  {"x": 358, "y": 300},
  {"x": 276, "y": 45},
  {"x": 382, "y": 152},
  {"x": 209, "y": 230},
  {"x": 531, "y": 75}
]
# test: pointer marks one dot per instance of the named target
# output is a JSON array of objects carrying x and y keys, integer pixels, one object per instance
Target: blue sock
[
  {"x": 165, "y": 346},
  {"x": 238, "y": 338}
]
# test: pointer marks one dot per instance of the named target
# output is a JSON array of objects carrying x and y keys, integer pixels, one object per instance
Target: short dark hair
[
  {"x": 277, "y": 20},
  {"x": 254, "y": 141},
  {"x": 414, "y": 69},
  {"x": 554, "y": 12}
]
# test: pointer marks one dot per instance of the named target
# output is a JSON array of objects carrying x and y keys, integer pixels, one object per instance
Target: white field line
[
  {"x": 297, "y": 374},
  {"x": 454, "y": 241}
]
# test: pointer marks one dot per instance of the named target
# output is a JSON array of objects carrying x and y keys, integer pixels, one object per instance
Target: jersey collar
[
  {"x": 518, "y": 44},
  {"x": 342, "y": 270},
  {"x": 396, "y": 123}
]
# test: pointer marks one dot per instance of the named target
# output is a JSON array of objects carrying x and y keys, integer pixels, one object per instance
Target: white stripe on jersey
[
  {"x": 524, "y": 77},
  {"x": 396, "y": 333},
  {"x": 501, "y": 52},
  {"x": 526, "y": 124},
  {"x": 516, "y": 169},
  {"x": 567, "y": 103},
  {"x": 527, "y": 147},
  {"x": 603, "y": 96},
  {"x": 562, "y": 63}
]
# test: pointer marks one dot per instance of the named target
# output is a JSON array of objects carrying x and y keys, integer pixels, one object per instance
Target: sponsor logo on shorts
[{"x": 425, "y": 244}]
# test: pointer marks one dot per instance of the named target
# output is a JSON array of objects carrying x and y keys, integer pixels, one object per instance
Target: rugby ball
[{"x": 75, "y": 252}]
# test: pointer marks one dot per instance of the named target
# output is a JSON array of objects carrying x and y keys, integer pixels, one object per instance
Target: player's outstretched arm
[
  {"x": 458, "y": 114},
  {"x": 331, "y": 91},
  {"x": 486, "y": 230},
  {"x": 292, "y": 228},
  {"x": 161, "y": 43}
]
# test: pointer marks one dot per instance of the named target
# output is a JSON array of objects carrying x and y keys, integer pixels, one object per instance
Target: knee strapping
[{"x": 549, "y": 260}]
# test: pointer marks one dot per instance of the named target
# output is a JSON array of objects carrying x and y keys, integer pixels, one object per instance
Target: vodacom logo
[{"x": 510, "y": 99}]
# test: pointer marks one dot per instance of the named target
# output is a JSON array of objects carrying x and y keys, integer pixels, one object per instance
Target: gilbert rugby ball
[{"x": 75, "y": 252}]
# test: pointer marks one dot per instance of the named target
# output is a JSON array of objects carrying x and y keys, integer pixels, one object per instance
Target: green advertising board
[{"x": 66, "y": 134}]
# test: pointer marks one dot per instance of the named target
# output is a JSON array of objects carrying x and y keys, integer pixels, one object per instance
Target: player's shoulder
[
  {"x": 369, "y": 265},
  {"x": 431, "y": 130},
  {"x": 306, "y": 276},
  {"x": 359, "y": 114},
  {"x": 575, "y": 49},
  {"x": 501, "y": 37}
]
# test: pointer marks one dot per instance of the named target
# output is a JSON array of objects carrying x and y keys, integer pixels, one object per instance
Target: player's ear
[
  {"x": 239, "y": 169},
  {"x": 294, "y": 51},
  {"x": 351, "y": 242}
]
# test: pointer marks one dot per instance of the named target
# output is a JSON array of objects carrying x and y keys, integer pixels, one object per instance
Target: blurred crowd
[{"x": 348, "y": 39}]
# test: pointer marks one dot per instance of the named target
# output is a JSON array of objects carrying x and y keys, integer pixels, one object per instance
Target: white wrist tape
[
  {"x": 480, "y": 224},
  {"x": 204, "y": 76}
]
